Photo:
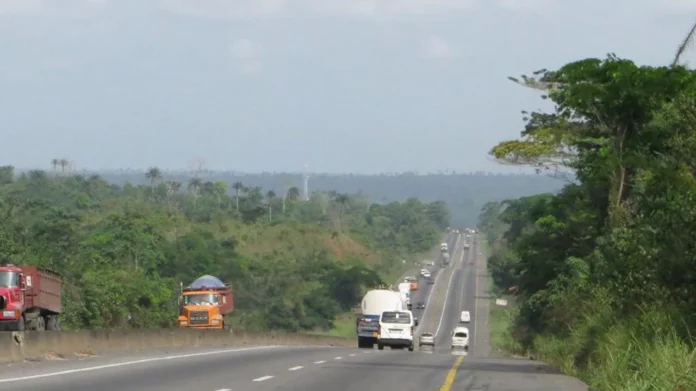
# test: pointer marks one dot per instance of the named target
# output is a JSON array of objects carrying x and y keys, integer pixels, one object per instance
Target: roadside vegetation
[
  {"x": 601, "y": 275},
  {"x": 294, "y": 265}
]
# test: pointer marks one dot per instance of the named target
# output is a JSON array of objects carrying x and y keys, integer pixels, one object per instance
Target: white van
[
  {"x": 396, "y": 330},
  {"x": 465, "y": 317},
  {"x": 460, "y": 338}
]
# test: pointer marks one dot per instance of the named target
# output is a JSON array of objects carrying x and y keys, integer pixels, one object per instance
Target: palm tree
[
  {"x": 219, "y": 189},
  {"x": 293, "y": 193},
  {"x": 63, "y": 163},
  {"x": 55, "y": 163},
  {"x": 270, "y": 196},
  {"x": 194, "y": 187},
  {"x": 153, "y": 174},
  {"x": 342, "y": 200},
  {"x": 238, "y": 188}
]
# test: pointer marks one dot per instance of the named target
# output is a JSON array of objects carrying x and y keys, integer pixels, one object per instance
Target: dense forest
[
  {"x": 602, "y": 274},
  {"x": 122, "y": 250},
  {"x": 465, "y": 193}
]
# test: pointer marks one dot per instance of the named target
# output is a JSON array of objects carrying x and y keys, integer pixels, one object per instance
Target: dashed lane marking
[
  {"x": 122, "y": 364},
  {"x": 338, "y": 358},
  {"x": 320, "y": 362},
  {"x": 352, "y": 354},
  {"x": 262, "y": 378},
  {"x": 295, "y": 368}
]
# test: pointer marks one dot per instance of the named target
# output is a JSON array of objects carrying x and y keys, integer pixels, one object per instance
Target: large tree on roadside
[{"x": 601, "y": 109}]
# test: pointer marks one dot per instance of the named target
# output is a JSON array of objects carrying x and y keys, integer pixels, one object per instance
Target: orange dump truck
[
  {"x": 414, "y": 285},
  {"x": 204, "y": 304}
]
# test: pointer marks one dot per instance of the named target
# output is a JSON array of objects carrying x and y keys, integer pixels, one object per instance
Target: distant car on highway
[
  {"x": 465, "y": 317},
  {"x": 431, "y": 281},
  {"x": 460, "y": 338},
  {"x": 426, "y": 339},
  {"x": 420, "y": 305},
  {"x": 426, "y": 274}
]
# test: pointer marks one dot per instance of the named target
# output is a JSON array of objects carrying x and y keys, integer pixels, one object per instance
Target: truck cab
[
  {"x": 203, "y": 304},
  {"x": 30, "y": 298}
]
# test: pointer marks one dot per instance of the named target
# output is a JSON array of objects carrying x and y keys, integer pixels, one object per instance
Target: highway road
[
  {"x": 438, "y": 275},
  {"x": 309, "y": 368}
]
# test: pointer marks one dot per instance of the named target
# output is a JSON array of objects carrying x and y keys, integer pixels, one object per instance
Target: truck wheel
[
  {"x": 40, "y": 323},
  {"x": 410, "y": 348},
  {"x": 380, "y": 346},
  {"x": 52, "y": 323}
]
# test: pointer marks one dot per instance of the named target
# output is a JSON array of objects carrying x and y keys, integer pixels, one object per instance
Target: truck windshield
[
  {"x": 9, "y": 279},
  {"x": 201, "y": 299},
  {"x": 396, "y": 317}
]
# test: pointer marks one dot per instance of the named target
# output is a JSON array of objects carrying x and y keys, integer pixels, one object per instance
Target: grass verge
[
  {"x": 643, "y": 353},
  {"x": 500, "y": 324}
]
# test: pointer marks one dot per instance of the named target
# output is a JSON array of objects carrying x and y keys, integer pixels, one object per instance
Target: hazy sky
[{"x": 253, "y": 85}]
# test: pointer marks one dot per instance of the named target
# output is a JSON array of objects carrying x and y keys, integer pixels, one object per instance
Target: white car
[
  {"x": 465, "y": 317},
  {"x": 426, "y": 274},
  {"x": 423, "y": 272},
  {"x": 396, "y": 330},
  {"x": 426, "y": 339},
  {"x": 460, "y": 338}
]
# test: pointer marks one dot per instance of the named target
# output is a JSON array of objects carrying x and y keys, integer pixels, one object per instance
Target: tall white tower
[{"x": 305, "y": 178}]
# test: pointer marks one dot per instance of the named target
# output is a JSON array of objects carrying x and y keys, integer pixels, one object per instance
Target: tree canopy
[
  {"x": 122, "y": 250},
  {"x": 604, "y": 271}
]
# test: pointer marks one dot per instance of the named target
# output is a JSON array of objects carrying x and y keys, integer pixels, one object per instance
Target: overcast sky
[{"x": 263, "y": 85}]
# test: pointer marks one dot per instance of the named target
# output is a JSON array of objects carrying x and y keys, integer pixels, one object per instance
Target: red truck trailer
[{"x": 30, "y": 298}]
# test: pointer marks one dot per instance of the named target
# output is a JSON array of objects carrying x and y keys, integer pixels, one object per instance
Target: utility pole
[{"x": 305, "y": 189}]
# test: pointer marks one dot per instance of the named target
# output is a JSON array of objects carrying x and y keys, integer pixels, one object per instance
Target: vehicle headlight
[
  {"x": 183, "y": 323},
  {"x": 216, "y": 321}
]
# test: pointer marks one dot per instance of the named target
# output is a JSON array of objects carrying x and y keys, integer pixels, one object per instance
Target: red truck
[{"x": 29, "y": 298}]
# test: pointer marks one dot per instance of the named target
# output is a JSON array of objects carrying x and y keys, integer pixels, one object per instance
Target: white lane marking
[
  {"x": 432, "y": 290},
  {"x": 444, "y": 305},
  {"x": 338, "y": 358},
  {"x": 225, "y": 389},
  {"x": 125, "y": 363},
  {"x": 320, "y": 362},
  {"x": 295, "y": 368},
  {"x": 262, "y": 378},
  {"x": 352, "y": 354}
]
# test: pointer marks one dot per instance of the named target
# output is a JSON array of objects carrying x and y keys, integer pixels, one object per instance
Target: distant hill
[{"x": 464, "y": 193}]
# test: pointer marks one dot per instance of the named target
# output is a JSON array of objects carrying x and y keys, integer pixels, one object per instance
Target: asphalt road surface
[
  {"x": 317, "y": 368},
  {"x": 436, "y": 273}
]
